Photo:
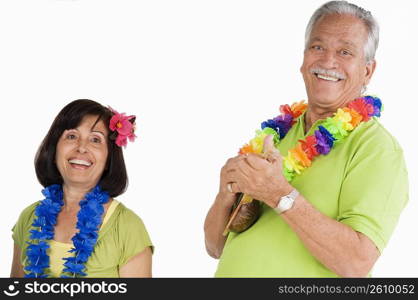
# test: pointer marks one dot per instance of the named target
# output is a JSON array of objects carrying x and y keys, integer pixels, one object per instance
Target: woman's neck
[{"x": 73, "y": 195}]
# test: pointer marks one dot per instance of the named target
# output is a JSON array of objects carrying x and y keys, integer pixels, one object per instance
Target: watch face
[{"x": 285, "y": 203}]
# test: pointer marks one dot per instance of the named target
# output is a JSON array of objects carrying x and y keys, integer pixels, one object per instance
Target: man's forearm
[
  {"x": 337, "y": 246},
  {"x": 215, "y": 223}
]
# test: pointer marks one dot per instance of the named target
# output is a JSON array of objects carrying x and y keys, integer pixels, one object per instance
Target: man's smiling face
[{"x": 334, "y": 66}]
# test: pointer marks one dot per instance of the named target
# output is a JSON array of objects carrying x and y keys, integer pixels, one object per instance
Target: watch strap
[{"x": 293, "y": 194}]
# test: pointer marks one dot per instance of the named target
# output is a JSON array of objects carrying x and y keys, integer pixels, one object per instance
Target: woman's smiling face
[{"x": 82, "y": 153}]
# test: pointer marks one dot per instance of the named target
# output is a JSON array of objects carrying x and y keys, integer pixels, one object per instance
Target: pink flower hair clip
[{"x": 123, "y": 128}]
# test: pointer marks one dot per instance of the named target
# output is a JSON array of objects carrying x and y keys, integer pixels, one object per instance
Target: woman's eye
[
  {"x": 96, "y": 140},
  {"x": 71, "y": 136}
]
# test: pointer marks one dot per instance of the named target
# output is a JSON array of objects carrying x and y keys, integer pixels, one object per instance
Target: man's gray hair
[{"x": 344, "y": 7}]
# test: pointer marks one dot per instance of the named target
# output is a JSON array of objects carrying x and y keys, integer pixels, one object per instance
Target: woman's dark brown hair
[{"x": 114, "y": 179}]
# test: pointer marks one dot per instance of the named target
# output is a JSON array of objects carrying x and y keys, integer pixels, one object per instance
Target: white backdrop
[{"x": 200, "y": 76}]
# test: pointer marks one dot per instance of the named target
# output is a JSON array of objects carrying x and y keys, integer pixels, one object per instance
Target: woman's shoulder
[
  {"x": 24, "y": 222},
  {"x": 126, "y": 217},
  {"x": 28, "y": 212},
  {"x": 129, "y": 227},
  {"x": 130, "y": 233}
]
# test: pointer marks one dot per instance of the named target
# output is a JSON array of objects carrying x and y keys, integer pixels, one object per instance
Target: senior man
[{"x": 332, "y": 212}]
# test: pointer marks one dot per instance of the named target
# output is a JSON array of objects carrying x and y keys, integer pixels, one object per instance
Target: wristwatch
[{"x": 286, "y": 202}]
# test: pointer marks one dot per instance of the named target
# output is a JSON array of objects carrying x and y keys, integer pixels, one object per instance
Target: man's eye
[
  {"x": 345, "y": 52},
  {"x": 316, "y": 47}
]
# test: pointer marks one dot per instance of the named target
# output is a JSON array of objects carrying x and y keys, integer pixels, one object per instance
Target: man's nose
[{"x": 329, "y": 60}]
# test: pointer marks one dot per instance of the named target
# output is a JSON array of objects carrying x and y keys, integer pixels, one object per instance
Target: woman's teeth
[{"x": 80, "y": 162}]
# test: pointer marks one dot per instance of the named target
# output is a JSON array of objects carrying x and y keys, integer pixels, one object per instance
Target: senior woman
[
  {"x": 330, "y": 205},
  {"x": 80, "y": 229}
]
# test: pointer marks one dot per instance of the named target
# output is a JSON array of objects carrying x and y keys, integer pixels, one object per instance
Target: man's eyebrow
[
  {"x": 315, "y": 39},
  {"x": 348, "y": 43},
  {"x": 345, "y": 42}
]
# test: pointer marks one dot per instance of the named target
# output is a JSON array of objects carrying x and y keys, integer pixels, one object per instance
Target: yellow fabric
[
  {"x": 121, "y": 236},
  {"x": 109, "y": 212},
  {"x": 59, "y": 250}
]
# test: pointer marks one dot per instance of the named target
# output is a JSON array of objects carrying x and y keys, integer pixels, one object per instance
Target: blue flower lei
[{"x": 89, "y": 219}]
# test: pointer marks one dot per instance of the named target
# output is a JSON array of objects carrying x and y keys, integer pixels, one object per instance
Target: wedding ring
[{"x": 229, "y": 187}]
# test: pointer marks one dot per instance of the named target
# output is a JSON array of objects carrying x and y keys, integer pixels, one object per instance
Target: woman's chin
[{"x": 80, "y": 181}]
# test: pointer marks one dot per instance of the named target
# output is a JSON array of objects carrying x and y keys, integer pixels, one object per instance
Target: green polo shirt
[{"x": 362, "y": 183}]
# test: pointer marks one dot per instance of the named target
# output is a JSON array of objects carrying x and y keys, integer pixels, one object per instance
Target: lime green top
[
  {"x": 362, "y": 183},
  {"x": 122, "y": 236}
]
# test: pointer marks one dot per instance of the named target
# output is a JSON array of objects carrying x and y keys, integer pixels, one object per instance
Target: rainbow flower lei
[
  {"x": 89, "y": 219},
  {"x": 331, "y": 132}
]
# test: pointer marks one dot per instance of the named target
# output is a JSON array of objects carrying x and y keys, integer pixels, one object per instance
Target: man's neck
[
  {"x": 319, "y": 112},
  {"x": 313, "y": 114}
]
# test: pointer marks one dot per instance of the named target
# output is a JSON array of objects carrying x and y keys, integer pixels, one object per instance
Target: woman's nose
[{"x": 82, "y": 146}]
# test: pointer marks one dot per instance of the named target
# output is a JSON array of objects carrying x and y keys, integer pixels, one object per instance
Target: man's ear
[{"x": 370, "y": 67}]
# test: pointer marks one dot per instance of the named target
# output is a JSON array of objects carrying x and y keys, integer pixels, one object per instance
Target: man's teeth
[
  {"x": 327, "y": 78},
  {"x": 80, "y": 162}
]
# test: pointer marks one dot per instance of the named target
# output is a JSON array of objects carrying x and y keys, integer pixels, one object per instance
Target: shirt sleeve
[
  {"x": 133, "y": 236},
  {"x": 20, "y": 230},
  {"x": 374, "y": 193}
]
